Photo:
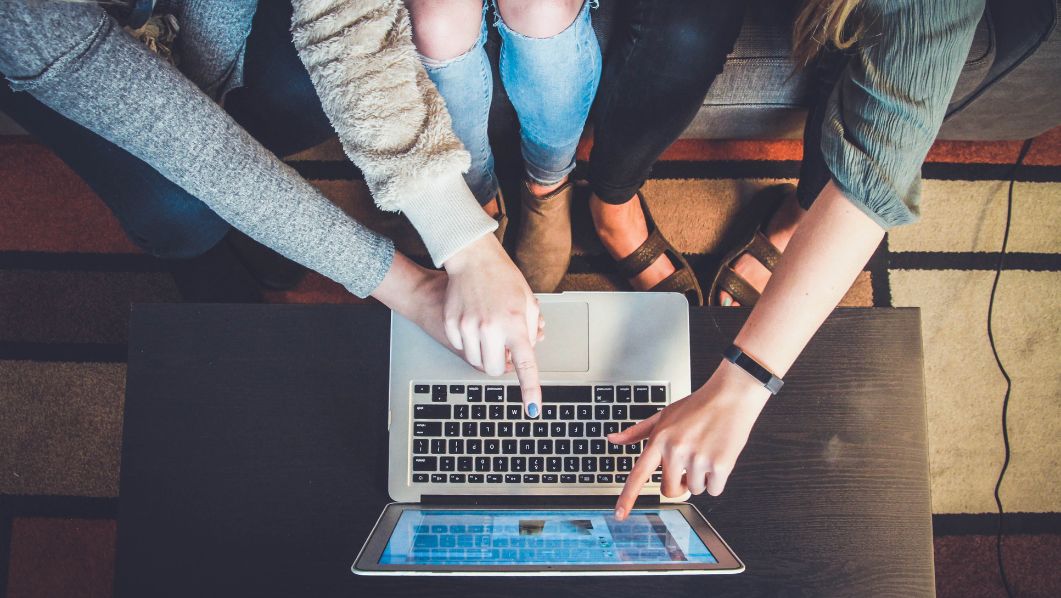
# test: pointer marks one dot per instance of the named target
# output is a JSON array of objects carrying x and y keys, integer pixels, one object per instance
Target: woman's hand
[
  {"x": 492, "y": 316},
  {"x": 697, "y": 439}
]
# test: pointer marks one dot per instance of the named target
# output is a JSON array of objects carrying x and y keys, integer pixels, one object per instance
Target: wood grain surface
[{"x": 254, "y": 462}]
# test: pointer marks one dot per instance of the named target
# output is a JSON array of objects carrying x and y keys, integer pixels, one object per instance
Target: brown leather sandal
[
  {"x": 753, "y": 242},
  {"x": 683, "y": 280}
]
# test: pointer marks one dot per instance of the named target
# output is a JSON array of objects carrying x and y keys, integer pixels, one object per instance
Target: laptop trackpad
[{"x": 566, "y": 344}]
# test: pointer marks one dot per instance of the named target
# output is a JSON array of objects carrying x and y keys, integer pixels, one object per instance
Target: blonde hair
[{"x": 823, "y": 22}]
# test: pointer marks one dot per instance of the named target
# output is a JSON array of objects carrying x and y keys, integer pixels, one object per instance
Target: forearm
[{"x": 829, "y": 249}]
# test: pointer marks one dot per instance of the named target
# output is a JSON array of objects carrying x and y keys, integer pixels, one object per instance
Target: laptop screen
[{"x": 555, "y": 537}]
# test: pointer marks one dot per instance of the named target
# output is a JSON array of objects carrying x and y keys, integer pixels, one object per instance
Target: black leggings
[{"x": 660, "y": 63}]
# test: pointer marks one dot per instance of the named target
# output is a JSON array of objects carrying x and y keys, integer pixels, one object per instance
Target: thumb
[{"x": 640, "y": 431}]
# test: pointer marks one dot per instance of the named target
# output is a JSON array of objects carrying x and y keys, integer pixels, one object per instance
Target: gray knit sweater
[{"x": 74, "y": 58}]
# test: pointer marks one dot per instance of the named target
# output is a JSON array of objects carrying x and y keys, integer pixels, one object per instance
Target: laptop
[{"x": 480, "y": 488}]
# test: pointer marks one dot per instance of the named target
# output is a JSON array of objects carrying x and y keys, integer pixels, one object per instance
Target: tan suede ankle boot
[{"x": 543, "y": 249}]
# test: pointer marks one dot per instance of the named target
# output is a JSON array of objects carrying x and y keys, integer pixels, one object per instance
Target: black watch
[{"x": 735, "y": 355}]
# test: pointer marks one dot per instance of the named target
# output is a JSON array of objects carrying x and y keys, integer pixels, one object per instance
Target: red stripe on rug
[{"x": 72, "y": 558}]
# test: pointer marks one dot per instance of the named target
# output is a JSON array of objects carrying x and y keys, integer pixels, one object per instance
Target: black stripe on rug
[
  {"x": 988, "y": 260},
  {"x": 986, "y": 524},
  {"x": 64, "y": 352},
  {"x": 338, "y": 170},
  {"x": 91, "y": 262}
]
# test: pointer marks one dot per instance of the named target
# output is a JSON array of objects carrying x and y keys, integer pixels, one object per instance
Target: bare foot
[
  {"x": 492, "y": 208},
  {"x": 622, "y": 228},
  {"x": 779, "y": 231}
]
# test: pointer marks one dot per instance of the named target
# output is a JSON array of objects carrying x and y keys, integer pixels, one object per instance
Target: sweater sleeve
[
  {"x": 87, "y": 73},
  {"x": 391, "y": 120},
  {"x": 886, "y": 110}
]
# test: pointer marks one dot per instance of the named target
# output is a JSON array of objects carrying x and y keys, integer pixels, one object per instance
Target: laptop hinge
[{"x": 532, "y": 500}]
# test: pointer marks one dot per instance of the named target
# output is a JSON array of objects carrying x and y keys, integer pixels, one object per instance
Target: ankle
[
  {"x": 493, "y": 207},
  {"x": 539, "y": 190},
  {"x": 612, "y": 219}
]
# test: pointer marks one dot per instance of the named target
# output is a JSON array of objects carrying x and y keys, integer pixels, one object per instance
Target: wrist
[
  {"x": 402, "y": 284},
  {"x": 473, "y": 255},
  {"x": 732, "y": 381}
]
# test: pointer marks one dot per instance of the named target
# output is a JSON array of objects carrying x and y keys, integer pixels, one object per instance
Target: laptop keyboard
[{"x": 478, "y": 434}]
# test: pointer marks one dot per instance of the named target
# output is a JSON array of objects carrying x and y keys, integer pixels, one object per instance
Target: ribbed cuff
[{"x": 446, "y": 215}]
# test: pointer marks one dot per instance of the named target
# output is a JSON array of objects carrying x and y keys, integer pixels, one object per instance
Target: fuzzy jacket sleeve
[{"x": 391, "y": 120}]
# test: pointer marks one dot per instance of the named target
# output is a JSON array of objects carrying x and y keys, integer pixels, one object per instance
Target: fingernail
[
  {"x": 532, "y": 409},
  {"x": 619, "y": 512},
  {"x": 726, "y": 302}
]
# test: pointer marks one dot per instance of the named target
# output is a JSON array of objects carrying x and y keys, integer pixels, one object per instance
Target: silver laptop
[{"x": 459, "y": 437}]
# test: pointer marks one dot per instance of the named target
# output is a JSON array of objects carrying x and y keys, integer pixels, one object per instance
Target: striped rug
[{"x": 68, "y": 275}]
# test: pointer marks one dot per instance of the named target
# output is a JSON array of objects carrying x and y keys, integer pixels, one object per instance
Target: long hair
[{"x": 824, "y": 22}]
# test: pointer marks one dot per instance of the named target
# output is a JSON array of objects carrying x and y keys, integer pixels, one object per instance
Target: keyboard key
[
  {"x": 575, "y": 394},
  {"x": 493, "y": 478},
  {"x": 523, "y": 429},
  {"x": 611, "y": 428},
  {"x": 457, "y": 389},
  {"x": 558, "y": 429},
  {"x": 603, "y": 478},
  {"x": 508, "y": 446},
  {"x": 497, "y": 412},
  {"x": 659, "y": 394},
  {"x": 620, "y": 478},
  {"x": 580, "y": 446},
  {"x": 584, "y": 411},
  {"x": 575, "y": 429},
  {"x": 478, "y": 411},
  {"x": 624, "y": 426},
  {"x": 588, "y": 463},
  {"x": 475, "y": 394},
  {"x": 567, "y": 478},
  {"x": 563, "y": 446},
  {"x": 438, "y": 393},
  {"x": 633, "y": 449},
  {"x": 549, "y": 411},
  {"x": 514, "y": 394},
  {"x": 541, "y": 429},
  {"x": 526, "y": 447},
  {"x": 465, "y": 464},
  {"x": 494, "y": 394},
  {"x": 500, "y": 464},
  {"x": 593, "y": 429},
  {"x": 421, "y": 389},
  {"x": 438, "y": 478},
  {"x": 585, "y": 478},
  {"x": 447, "y": 464},
  {"x": 513, "y": 411},
  {"x": 474, "y": 446},
  {"x": 604, "y": 394},
  {"x": 607, "y": 463},
  {"x": 536, "y": 464},
  {"x": 456, "y": 478},
  {"x": 469, "y": 429},
  {"x": 420, "y": 446},
  {"x": 452, "y": 429},
  {"x": 553, "y": 463},
  {"x": 531, "y": 478},
  {"x": 491, "y": 446},
  {"x": 504, "y": 429},
  {"x": 425, "y": 463},
  {"x": 456, "y": 446},
  {"x": 475, "y": 478},
  {"x": 460, "y": 412},
  {"x": 486, "y": 429},
  {"x": 567, "y": 412},
  {"x": 518, "y": 464},
  {"x": 643, "y": 411},
  {"x": 604, "y": 412},
  {"x": 513, "y": 478},
  {"x": 623, "y": 394},
  {"x": 545, "y": 447},
  {"x": 570, "y": 464},
  {"x": 640, "y": 394},
  {"x": 615, "y": 449},
  {"x": 624, "y": 463},
  {"x": 549, "y": 478},
  {"x": 482, "y": 464},
  {"x": 657, "y": 477},
  {"x": 438, "y": 446},
  {"x": 597, "y": 446},
  {"x": 427, "y": 428},
  {"x": 420, "y": 478},
  {"x": 621, "y": 412}
]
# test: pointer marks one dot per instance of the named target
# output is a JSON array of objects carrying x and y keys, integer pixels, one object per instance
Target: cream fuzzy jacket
[{"x": 391, "y": 120}]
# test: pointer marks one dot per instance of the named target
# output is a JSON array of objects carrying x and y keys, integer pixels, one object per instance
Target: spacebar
[{"x": 567, "y": 394}]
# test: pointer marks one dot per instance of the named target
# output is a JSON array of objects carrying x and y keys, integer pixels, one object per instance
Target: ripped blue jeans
[{"x": 551, "y": 83}]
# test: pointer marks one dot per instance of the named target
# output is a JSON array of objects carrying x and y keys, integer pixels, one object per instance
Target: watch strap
[{"x": 738, "y": 357}]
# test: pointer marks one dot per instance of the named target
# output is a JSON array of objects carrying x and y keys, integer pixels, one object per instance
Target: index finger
[
  {"x": 641, "y": 473},
  {"x": 526, "y": 364}
]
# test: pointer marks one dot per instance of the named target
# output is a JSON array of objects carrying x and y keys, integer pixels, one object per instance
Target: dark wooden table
[{"x": 255, "y": 441}]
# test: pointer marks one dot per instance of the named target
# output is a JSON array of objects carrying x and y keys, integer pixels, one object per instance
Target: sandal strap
[
  {"x": 741, "y": 290},
  {"x": 680, "y": 281},
  {"x": 643, "y": 257},
  {"x": 763, "y": 250}
]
